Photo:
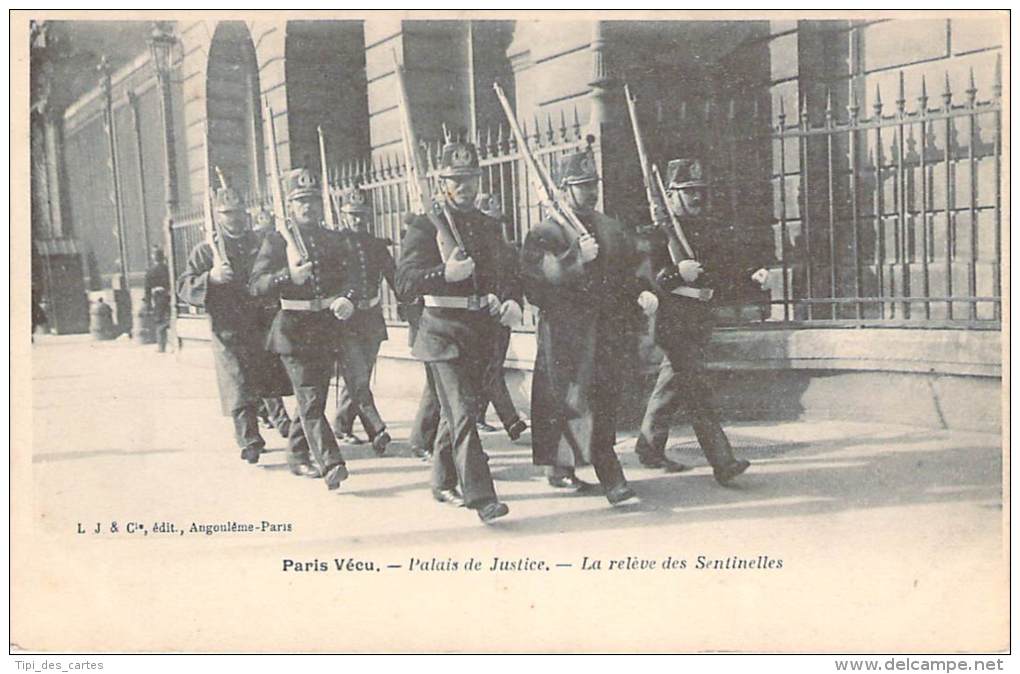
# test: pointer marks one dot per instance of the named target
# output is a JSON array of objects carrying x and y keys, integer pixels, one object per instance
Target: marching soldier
[
  {"x": 729, "y": 267},
  {"x": 589, "y": 295},
  {"x": 316, "y": 295},
  {"x": 245, "y": 371},
  {"x": 495, "y": 390},
  {"x": 361, "y": 334},
  {"x": 467, "y": 293}
]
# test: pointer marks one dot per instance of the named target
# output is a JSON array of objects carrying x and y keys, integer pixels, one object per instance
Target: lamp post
[
  {"x": 161, "y": 45},
  {"x": 122, "y": 294}
]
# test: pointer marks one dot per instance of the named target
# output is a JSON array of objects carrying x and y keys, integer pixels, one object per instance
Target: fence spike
[
  {"x": 972, "y": 90},
  {"x": 499, "y": 137},
  {"x": 877, "y": 105},
  {"x": 538, "y": 132},
  {"x": 550, "y": 133},
  {"x": 563, "y": 124},
  {"x": 804, "y": 112},
  {"x": 901, "y": 101},
  {"x": 947, "y": 92},
  {"x": 782, "y": 112},
  {"x": 828, "y": 105},
  {"x": 852, "y": 108},
  {"x": 577, "y": 122},
  {"x": 923, "y": 98}
]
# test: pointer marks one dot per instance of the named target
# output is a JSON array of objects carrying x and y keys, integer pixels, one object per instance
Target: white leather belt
[
  {"x": 702, "y": 294},
  {"x": 317, "y": 304},
  {"x": 469, "y": 302}
]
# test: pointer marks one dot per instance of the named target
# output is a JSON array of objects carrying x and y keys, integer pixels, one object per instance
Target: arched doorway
[{"x": 233, "y": 108}]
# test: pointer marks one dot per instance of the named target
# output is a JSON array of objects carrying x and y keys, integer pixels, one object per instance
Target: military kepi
[
  {"x": 355, "y": 200},
  {"x": 576, "y": 168},
  {"x": 459, "y": 160},
  {"x": 301, "y": 183},
  {"x": 226, "y": 199},
  {"x": 684, "y": 173}
]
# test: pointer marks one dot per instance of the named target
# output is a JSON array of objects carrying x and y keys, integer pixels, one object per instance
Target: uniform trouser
[
  {"x": 458, "y": 385},
  {"x": 494, "y": 387},
  {"x": 682, "y": 384},
  {"x": 276, "y": 411},
  {"x": 347, "y": 408},
  {"x": 309, "y": 375},
  {"x": 246, "y": 426},
  {"x": 357, "y": 358},
  {"x": 426, "y": 421}
]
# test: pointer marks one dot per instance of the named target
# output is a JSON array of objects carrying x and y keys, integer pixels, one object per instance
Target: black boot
[{"x": 719, "y": 452}]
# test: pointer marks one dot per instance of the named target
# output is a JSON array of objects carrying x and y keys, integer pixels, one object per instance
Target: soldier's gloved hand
[
  {"x": 300, "y": 274},
  {"x": 648, "y": 302},
  {"x": 458, "y": 267},
  {"x": 510, "y": 313},
  {"x": 588, "y": 247},
  {"x": 342, "y": 308},
  {"x": 492, "y": 304},
  {"x": 761, "y": 277},
  {"x": 221, "y": 273},
  {"x": 689, "y": 270}
]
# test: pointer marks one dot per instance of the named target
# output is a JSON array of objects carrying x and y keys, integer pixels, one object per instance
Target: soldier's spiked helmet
[
  {"x": 459, "y": 160},
  {"x": 576, "y": 168},
  {"x": 355, "y": 200},
  {"x": 227, "y": 199},
  {"x": 684, "y": 173},
  {"x": 301, "y": 183}
]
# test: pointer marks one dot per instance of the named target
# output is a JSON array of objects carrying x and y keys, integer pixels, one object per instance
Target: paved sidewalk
[{"x": 123, "y": 433}]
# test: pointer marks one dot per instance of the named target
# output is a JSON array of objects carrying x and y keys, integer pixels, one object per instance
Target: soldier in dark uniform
[
  {"x": 495, "y": 390},
  {"x": 728, "y": 267},
  {"x": 245, "y": 371},
  {"x": 157, "y": 296},
  {"x": 590, "y": 300},
  {"x": 467, "y": 293},
  {"x": 369, "y": 263},
  {"x": 316, "y": 295}
]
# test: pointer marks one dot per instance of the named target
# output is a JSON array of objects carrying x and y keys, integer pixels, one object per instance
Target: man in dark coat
[
  {"x": 590, "y": 299},
  {"x": 157, "y": 296},
  {"x": 495, "y": 390},
  {"x": 369, "y": 263},
  {"x": 245, "y": 371},
  {"x": 729, "y": 267},
  {"x": 467, "y": 288},
  {"x": 316, "y": 295}
]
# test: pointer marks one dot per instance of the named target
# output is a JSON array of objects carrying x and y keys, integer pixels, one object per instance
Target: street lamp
[
  {"x": 122, "y": 294},
  {"x": 161, "y": 46}
]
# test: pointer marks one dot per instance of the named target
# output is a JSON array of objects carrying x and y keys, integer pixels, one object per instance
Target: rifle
[
  {"x": 327, "y": 200},
  {"x": 539, "y": 174},
  {"x": 213, "y": 236},
  {"x": 654, "y": 190},
  {"x": 418, "y": 185},
  {"x": 297, "y": 253}
]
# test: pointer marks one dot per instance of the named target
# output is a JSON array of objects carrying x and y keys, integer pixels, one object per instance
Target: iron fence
[{"x": 892, "y": 219}]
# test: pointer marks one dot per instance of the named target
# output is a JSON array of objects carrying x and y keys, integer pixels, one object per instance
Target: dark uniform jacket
[
  {"x": 245, "y": 371},
  {"x": 586, "y": 322},
  {"x": 369, "y": 262},
  {"x": 158, "y": 276},
  {"x": 728, "y": 255},
  {"x": 443, "y": 333},
  {"x": 295, "y": 332}
]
